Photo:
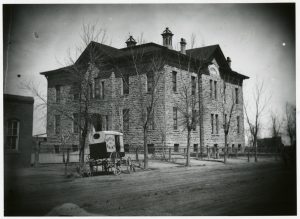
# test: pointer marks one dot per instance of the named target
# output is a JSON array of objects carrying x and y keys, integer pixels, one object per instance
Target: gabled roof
[
  {"x": 206, "y": 53},
  {"x": 18, "y": 98}
]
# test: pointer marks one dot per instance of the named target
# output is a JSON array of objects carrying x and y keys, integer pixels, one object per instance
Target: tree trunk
[
  {"x": 200, "y": 114},
  {"x": 188, "y": 149},
  {"x": 145, "y": 149},
  {"x": 225, "y": 148},
  {"x": 255, "y": 150}
]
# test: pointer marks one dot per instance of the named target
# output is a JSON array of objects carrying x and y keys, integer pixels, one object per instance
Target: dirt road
[{"x": 211, "y": 188}]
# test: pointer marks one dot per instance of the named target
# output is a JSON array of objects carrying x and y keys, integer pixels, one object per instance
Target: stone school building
[{"x": 120, "y": 78}]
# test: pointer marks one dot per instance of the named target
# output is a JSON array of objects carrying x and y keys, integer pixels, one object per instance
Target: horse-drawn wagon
[{"x": 106, "y": 151}]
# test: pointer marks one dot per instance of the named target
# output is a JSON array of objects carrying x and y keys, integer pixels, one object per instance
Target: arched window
[{"x": 12, "y": 138}]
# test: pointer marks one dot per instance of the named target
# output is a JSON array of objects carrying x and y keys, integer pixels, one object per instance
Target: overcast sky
[{"x": 259, "y": 38}]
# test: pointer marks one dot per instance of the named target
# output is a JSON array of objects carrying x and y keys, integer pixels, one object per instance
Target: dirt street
[{"x": 207, "y": 188}]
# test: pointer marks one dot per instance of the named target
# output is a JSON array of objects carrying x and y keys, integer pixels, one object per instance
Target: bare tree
[
  {"x": 228, "y": 103},
  {"x": 78, "y": 74},
  {"x": 147, "y": 68},
  {"x": 276, "y": 125},
  {"x": 290, "y": 113},
  {"x": 198, "y": 62},
  {"x": 254, "y": 120},
  {"x": 187, "y": 106}
]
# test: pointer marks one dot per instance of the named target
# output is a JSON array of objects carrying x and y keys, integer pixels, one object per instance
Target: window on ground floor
[
  {"x": 151, "y": 148},
  {"x": 176, "y": 147},
  {"x": 56, "y": 149},
  {"x": 195, "y": 147},
  {"x": 13, "y": 135}
]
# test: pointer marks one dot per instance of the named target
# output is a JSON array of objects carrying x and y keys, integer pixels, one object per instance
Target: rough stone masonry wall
[
  {"x": 132, "y": 101},
  {"x": 174, "y": 99},
  {"x": 114, "y": 103},
  {"x": 212, "y": 106},
  {"x": 68, "y": 106}
]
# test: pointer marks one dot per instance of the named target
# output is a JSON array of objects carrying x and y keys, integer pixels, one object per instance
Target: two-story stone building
[{"x": 118, "y": 85}]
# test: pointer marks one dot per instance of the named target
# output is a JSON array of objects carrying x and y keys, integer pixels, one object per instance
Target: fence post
[
  {"x": 170, "y": 154},
  {"x": 248, "y": 154},
  {"x": 208, "y": 153},
  {"x": 136, "y": 154}
]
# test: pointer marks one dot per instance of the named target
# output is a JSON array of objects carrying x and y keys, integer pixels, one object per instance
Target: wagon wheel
[{"x": 116, "y": 160}]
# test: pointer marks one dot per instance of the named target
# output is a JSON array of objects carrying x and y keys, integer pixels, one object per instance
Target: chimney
[
  {"x": 130, "y": 42},
  {"x": 229, "y": 61},
  {"x": 182, "y": 46},
  {"x": 167, "y": 38}
]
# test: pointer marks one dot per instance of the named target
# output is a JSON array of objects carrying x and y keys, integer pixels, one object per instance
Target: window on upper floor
[
  {"x": 75, "y": 123},
  {"x": 174, "y": 81},
  {"x": 150, "y": 118},
  {"x": 194, "y": 120},
  {"x": 150, "y": 83},
  {"x": 212, "y": 123},
  {"x": 57, "y": 124},
  {"x": 12, "y": 138},
  {"x": 217, "y": 123},
  {"x": 238, "y": 124},
  {"x": 211, "y": 89},
  {"x": 102, "y": 94},
  {"x": 193, "y": 85},
  {"x": 125, "y": 80},
  {"x": 125, "y": 119},
  {"x": 97, "y": 88},
  {"x": 175, "y": 126},
  {"x": 237, "y": 95},
  {"x": 57, "y": 93},
  {"x": 216, "y": 90},
  {"x": 91, "y": 91}
]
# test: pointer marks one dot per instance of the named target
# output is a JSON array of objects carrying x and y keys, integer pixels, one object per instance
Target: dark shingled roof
[
  {"x": 207, "y": 53},
  {"x": 18, "y": 98}
]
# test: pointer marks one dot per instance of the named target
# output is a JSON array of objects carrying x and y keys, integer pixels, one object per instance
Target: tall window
[
  {"x": 217, "y": 124},
  {"x": 150, "y": 83},
  {"x": 126, "y": 119},
  {"x": 97, "y": 88},
  {"x": 75, "y": 123},
  {"x": 216, "y": 96},
  {"x": 75, "y": 91},
  {"x": 150, "y": 119},
  {"x": 106, "y": 122},
  {"x": 91, "y": 91},
  {"x": 211, "y": 88},
  {"x": 174, "y": 80},
  {"x": 57, "y": 125},
  {"x": 125, "y": 84},
  {"x": 212, "y": 123},
  {"x": 57, "y": 93},
  {"x": 193, "y": 85},
  {"x": 194, "y": 121},
  {"x": 13, "y": 135},
  {"x": 175, "y": 118},
  {"x": 224, "y": 92},
  {"x": 237, "y": 95},
  {"x": 238, "y": 124},
  {"x": 102, "y": 94}
]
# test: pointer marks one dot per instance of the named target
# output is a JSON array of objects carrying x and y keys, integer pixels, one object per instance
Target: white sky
[{"x": 259, "y": 39}]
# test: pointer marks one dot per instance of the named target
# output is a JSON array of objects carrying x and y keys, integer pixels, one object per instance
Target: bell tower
[{"x": 167, "y": 38}]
